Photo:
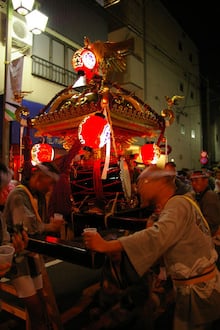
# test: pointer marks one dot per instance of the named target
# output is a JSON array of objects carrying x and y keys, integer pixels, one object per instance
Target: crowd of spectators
[{"x": 47, "y": 191}]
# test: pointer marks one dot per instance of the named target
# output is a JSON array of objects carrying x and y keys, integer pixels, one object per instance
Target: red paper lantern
[
  {"x": 150, "y": 152},
  {"x": 42, "y": 152},
  {"x": 94, "y": 131},
  {"x": 85, "y": 60}
]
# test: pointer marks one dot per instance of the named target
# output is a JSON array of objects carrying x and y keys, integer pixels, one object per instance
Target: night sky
[{"x": 201, "y": 21}]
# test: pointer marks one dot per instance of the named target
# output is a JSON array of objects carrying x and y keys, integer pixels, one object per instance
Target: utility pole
[{"x": 6, "y": 123}]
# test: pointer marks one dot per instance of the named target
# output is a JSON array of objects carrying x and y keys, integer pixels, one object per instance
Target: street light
[
  {"x": 23, "y": 7},
  {"x": 36, "y": 21}
]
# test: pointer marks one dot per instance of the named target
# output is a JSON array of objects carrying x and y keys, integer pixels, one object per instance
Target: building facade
[{"x": 164, "y": 63}]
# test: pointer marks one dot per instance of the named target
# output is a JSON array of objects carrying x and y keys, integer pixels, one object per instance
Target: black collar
[{"x": 200, "y": 195}]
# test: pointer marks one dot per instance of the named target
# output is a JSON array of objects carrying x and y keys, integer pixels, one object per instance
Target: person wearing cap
[
  {"x": 6, "y": 184},
  {"x": 18, "y": 241},
  {"x": 209, "y": 204},
  {"x": 181, "y": 187},
  {"x": 183, "y": 239},
  {"x": 207, "y": 199},
  {"x": 26, "y": 207},
  {"x": 61, "y": 199}
]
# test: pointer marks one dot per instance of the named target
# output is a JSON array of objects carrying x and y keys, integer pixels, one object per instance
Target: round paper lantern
[
  {"x": 204, "y": 157},
  {"x": 203, "y": 154},
  {"x": 150, "y": 153},
  {"x": 94, "y": 131},
  {"x": 85, "y": 60},
  {"x": 42, "y": 152}
]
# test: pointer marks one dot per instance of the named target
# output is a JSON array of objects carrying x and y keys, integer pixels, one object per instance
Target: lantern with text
[
  {"x": 94, "y": 131},
  {"x": 150, "y": 153},
  {"x": 41, "y": 152},
  {"x": 85, "y": 60}
]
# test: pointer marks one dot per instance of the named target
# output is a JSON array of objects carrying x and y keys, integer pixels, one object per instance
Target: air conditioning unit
[{"x": 21, "y": 37}]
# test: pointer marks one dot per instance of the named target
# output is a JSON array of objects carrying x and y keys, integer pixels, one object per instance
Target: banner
[{"x": 13, "y": 88}]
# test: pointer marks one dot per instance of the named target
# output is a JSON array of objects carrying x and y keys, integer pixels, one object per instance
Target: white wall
[
  {"x": 43, "y": 90},
  {"x": 166, "y": 69}
]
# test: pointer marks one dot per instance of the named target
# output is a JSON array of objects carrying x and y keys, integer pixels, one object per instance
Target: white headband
[
  {"x": 155, "y": 174},
  {"x": 46, "y": 171}
]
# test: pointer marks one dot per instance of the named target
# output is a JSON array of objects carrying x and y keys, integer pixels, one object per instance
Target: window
[
  {"x": 51, "y": 60},
  {"x": 41, "y": 46},
  {"x": 182, "y": 129},
  {"x": 193, "y": 134}
]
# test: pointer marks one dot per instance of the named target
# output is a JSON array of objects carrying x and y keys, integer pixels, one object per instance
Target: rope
[
  {"x": 31, "y": 200},
  {"x": 199, "y": 211}
]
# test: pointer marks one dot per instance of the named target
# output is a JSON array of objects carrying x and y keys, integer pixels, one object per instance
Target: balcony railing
[{"x": 52, "y": 72}]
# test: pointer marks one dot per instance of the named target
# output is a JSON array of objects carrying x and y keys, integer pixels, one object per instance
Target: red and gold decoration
[
  {"x": 85, "y": 60},
  {"x": 127, "y": 114},
  {"x": 150, "y": 153},
  {"x": 41, "y": 152},
  {"x": 94, "y": 131},
  {"x": 102, "y": 113}
]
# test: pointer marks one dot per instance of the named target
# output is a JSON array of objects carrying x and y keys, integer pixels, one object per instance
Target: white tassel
[{"x": 107, "y": 159}]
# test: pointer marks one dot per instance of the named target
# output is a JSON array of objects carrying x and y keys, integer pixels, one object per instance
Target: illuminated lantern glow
[
  {"x": 36, "y": 21},
  {"x": 204, "y": 153},
  {"x": 150, "y": 153},
  {"x": 41, "y": 152},
  {"x": 204, "y": 158},
  {"x": 85, "y": 60},
  {"x": 23, "y": 7},
  {"x": 94, "y": 131}
]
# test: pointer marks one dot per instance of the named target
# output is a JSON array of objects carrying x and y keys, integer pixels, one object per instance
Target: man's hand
[
  {"x": 20, "y": 241},
  {"x": 95, "y": 242}
]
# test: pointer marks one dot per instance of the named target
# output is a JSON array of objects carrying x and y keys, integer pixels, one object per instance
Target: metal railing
[{"x": 52, "y": 72}]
